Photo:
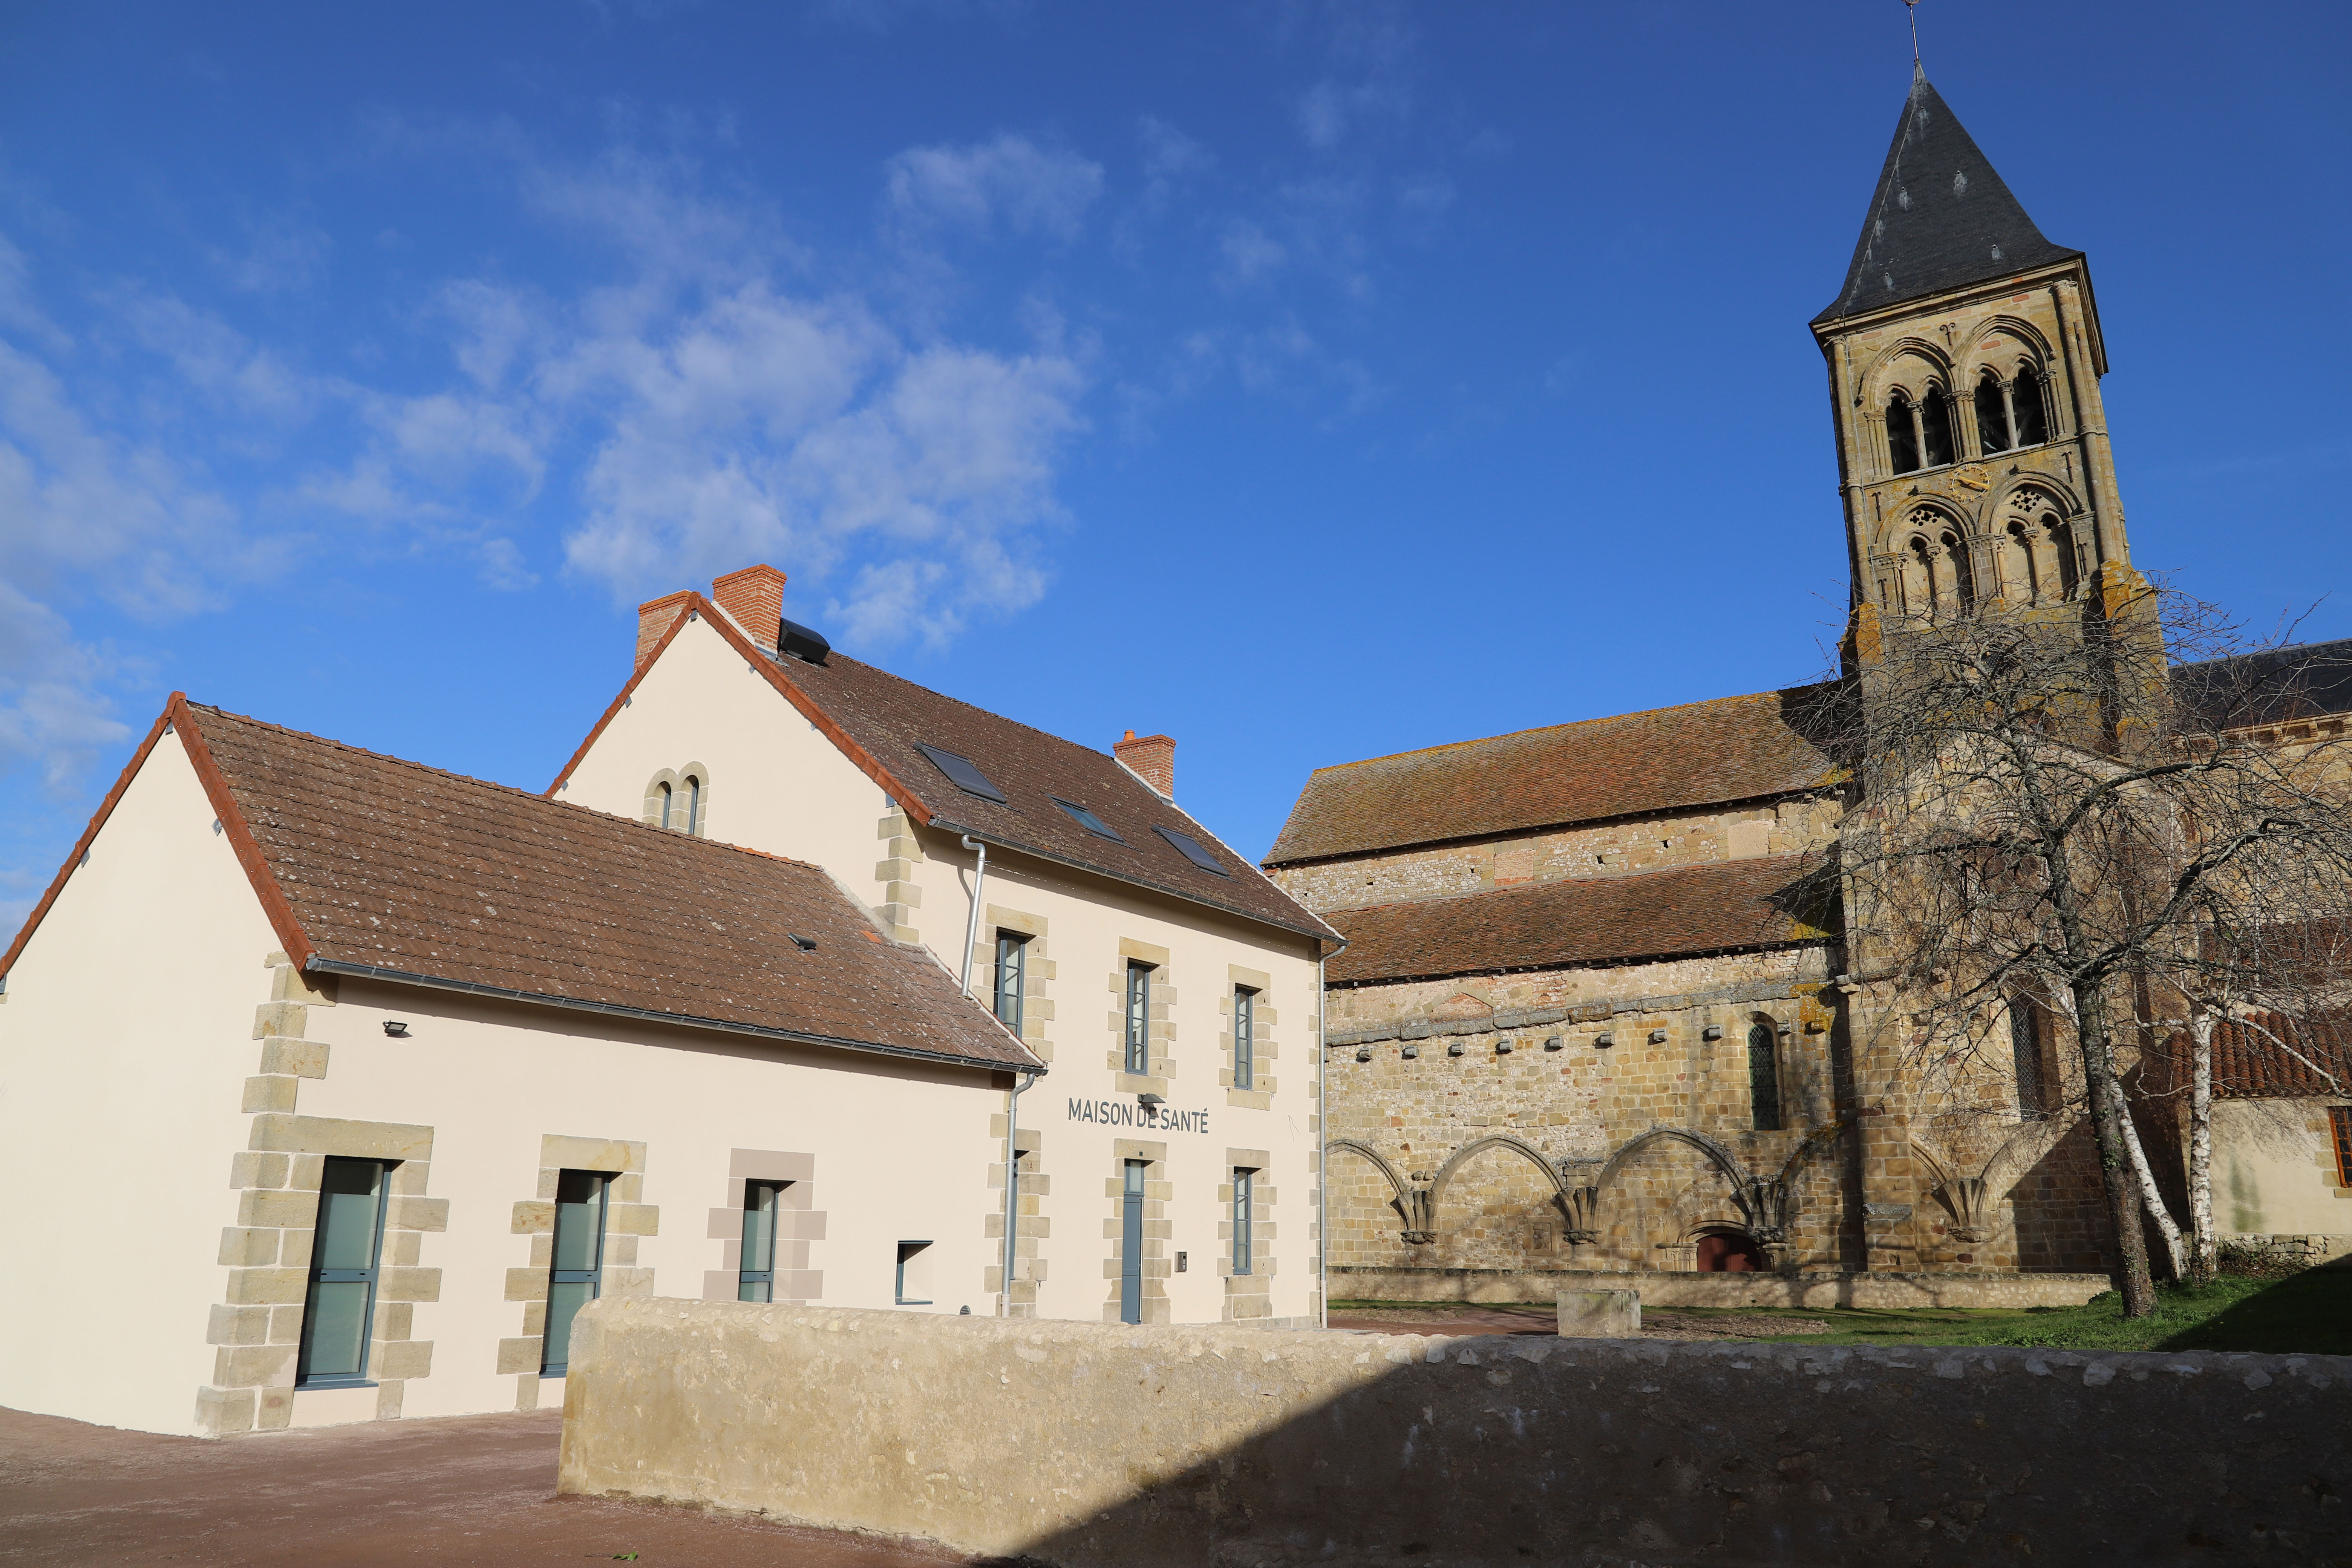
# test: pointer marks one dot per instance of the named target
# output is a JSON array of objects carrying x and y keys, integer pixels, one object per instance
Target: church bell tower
[{"x": 1964, "y": 362}]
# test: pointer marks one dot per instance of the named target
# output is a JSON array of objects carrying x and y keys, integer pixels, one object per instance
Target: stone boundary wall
[
  {"x": 1876, "y": 1289},
  {"x": 1107, "y": 1446}
]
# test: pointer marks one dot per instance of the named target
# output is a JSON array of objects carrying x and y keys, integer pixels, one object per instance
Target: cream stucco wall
[
  {"x": 2275, "y": 1172},
  {"x": 125, "y": 1039},
  {"x": 901, "y": 1152},
  {"x": 780, "y": 786}
]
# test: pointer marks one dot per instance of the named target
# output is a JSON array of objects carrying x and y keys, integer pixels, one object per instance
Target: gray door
[{"x": 1130, "y": 1247}]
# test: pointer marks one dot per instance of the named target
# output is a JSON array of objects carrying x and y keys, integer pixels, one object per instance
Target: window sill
[
  {"x": 311, "y": 1382},
  {"x": 908, "y": 1301}
]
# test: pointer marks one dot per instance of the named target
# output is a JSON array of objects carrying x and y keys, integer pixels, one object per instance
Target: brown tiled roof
[
  {"x": 1666, "y": 759},
  {"x": 2249, "y": 1063},
  {"x": 366, "y": 861},
  {"x": 878, "y": 719},
  {"x": 1712, "y": 906}
]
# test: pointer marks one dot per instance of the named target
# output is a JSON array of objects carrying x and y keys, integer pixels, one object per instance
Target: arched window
[
  {"x": 1936, "y": 428},
  {"x": 663, "y": 792},
  {"x": 1992, "y": 415},
  {"x": 1964, "y": 577},
  {"x": 2029, "y": 400},
  {"x": 1764, "y": 1076},
  {"x": 2062, "y": 541},
  {"x": 1728, "y": 1252},
  {"x": 1902, "y": 433},
  {"x": 2024, "y": 573},
  {"x": 693, "y": 805},
  {"x": 2025, "y": 1057}
]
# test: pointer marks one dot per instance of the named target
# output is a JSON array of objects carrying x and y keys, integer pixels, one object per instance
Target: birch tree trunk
[
  {"x": 2204, "y": 1259},
  {"x": 2151, "y": 1196},
  {"x": 2108, "y": 1119}
]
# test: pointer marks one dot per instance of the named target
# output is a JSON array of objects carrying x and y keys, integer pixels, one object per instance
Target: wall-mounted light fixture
[
  {"x": 396, "y": 1028},
  {"x": 1149, "y": 1101}
]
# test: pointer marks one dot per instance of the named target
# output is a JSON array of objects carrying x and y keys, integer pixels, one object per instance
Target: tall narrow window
[
  {"x": 1992, "y": 415},
  {"x": 576, "y": 1276},
  {"x": 2339, "y": 1121},
  {"x": 1130, "y": 1243},
  {"x": 344, "y": 1252},
  {"x": 1011, "y": 977},
  {"x": 1139, "y": 1018},
  {"x": 1964, "y": 576},
  {"x": 693, "y": 805},
  {"x": 2025, "y": 1059},
  {"x": 1244, "y": 1190},
  {"x": 1244, "y": 1037},
  {"x": 1764, "y": 1077},
  {"x": 914, "y": 1282},
  {"x": 666, "y": 795},
  {"x": 2062, "y": 543},
  {"x": 2031, "y": 406},
  {"x": 1936, "y": 428},
  {"x": 758, "y": 1280},
  {"x": 1901, "y": 435}
]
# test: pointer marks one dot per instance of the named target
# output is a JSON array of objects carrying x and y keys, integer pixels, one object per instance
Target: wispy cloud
[{"x": 1008, "y": 179}]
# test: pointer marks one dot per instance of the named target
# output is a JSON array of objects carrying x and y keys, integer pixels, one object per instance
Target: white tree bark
[
  {"x": 2151, "y": 1197},
  {"x": 2204, "y": 1253}
]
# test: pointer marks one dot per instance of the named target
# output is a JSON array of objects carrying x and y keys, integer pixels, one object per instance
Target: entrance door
[{"x": 1130, "y": 1245}]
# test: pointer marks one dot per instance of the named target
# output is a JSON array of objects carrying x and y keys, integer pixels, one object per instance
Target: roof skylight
[
  {"x": 962, "y": 772},
  {"x": 1192, "y": 849},
  {"x": 1087, "y": 819}
]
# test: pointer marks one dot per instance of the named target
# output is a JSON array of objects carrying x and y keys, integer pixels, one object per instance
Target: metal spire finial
[{"x": 1911, "y": 10}]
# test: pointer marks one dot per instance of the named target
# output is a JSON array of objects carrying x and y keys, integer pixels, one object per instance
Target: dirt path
[
  {"x": 1531, "y": 1320},
  {"x": 461, "y": 1490}
]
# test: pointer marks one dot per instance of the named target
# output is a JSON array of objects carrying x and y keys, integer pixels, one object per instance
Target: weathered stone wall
[
  {"x": 1876, "y": 1291},
  {"x": 1637, "y": 844},
  {"x": 1082, "y": 1444}
]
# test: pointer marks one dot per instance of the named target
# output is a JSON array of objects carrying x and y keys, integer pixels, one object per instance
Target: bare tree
[{"x": 2051, "y": 811}]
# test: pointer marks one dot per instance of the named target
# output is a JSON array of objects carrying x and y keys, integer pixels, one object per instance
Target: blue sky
[{"x": 1308, "y": 381}]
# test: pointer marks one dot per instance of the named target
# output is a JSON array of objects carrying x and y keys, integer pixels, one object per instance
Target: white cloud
[
  {"x": 54, "y": 716},
  {"x": 1010, "y": 180},
  {"x": 1249, "y": 252}
]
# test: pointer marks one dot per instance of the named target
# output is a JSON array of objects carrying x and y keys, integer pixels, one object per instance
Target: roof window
[
  {"x": 962, "y": 773},
  {"x": 1087, "y": 819},
  {"x": 1192, "y": 849}
]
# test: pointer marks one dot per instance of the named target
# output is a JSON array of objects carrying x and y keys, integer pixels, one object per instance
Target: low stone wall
[
  {"x": 1692, "y": 1290},
  {"x": 1104, "y": 1446}
]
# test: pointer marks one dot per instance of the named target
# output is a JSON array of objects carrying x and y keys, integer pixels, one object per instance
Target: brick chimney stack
[
  {"x": 653, "y": 619},
  {"x": 754, "y": 599},
  {"x": 1153, "y": 759}
]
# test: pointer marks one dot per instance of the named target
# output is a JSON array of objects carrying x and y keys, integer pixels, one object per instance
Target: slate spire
[{"x": 1940, "y": 219}]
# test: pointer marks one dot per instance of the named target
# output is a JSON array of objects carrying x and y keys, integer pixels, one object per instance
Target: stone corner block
[
  {"x": 616, "y": 1154},
  {"x": 520, "y": 1355},
  {"x": 408, "y": 1284},
  {"x": 268, "y": 1286},
  {"x": 299, "y": 1058},
  {"x": 223, "y": 1411},
  {"x": 534, "y": 1216},
  {"x": 271, "y": 1092},
  {"x": 417, "y": 1213},
  {"x": 1600, "y": 1314},
  {"x": 635, "y": 1219}
]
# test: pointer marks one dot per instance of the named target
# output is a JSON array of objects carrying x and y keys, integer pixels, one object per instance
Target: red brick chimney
[
  {"x": 754, "y": 598},
  {"x": 1153, "y": 759},
  {"x": 653, "y": 619}
]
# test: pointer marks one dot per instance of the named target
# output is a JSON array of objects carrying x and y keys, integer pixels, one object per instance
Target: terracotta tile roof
[
  {"x": 1666, "y": 759},
  {"x": 370, "y": 861},
  {"x": 1712, "y": 906},
  {"x": 2248, "y": 1063},
  {"x": 880, "y": 720}
]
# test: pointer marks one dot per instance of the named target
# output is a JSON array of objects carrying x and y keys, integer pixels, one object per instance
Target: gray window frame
[
  {"x": 592, "y": 1276},
  {"x": 1133, "y": 1174},
  {"x": 1244, "y": 1037},
  {"x": 1245, "y": 1238},
  {"x": 907, "y": 1249},
  {"x": 764, "y": 1277},
  {"x": 1015, "y": 945},
  {"x": 1136, "y": 1032},
  {"x": 1764, "y": 1077},
  {"x": 320, "y": 1275}
]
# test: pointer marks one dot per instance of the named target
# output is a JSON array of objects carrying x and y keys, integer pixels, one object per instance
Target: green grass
[{"x": 2307, "y": 1314}]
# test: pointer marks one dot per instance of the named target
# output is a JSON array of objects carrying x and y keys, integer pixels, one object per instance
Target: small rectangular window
[
  {"x": 761, "y": 1201},
  {"x": 576, "y": 1275},
  {"x": 1244, "y": 1037},
  {"x": 1011, "y": 977},
  {"x": 2339, "y": 1119},
  {"x": 1245, "y": 1189},
  {"x": 962, "y": 772},
  {"x": 2025, "y": 1059},
  {"x": 1192, "y": 849},
  {"x": 913, "y": 1283},
  {"x": 1139, "y": 1018},
  {"x": 1764, "y": 1077},
  {"x": 1087, "y": 819},
  {"x": 345, "y": 1251}
]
